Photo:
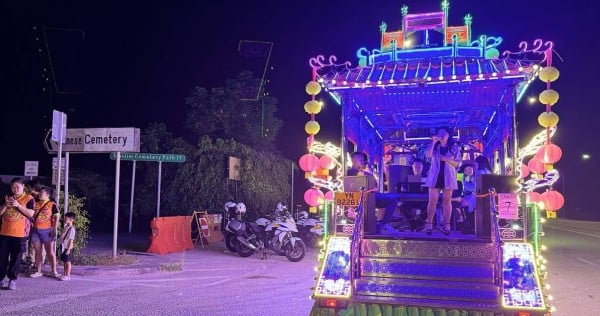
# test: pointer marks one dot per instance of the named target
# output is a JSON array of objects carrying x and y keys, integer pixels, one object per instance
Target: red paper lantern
[
  {"x": 326, "y": 162},
  {"x": 329, "y": 196},
  {"x": 536, "y": 166},
  {"x": 314, "y": 197},
  {"x": 549, "y": 154},
  {"x": 525, "y": 172},
  {"x": 533, "y": 197},
  {"x": 553, "y": 200},
  {"x": 309, "y": 163}
]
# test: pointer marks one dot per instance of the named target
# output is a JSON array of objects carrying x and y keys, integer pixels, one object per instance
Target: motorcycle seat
[{"x": 255, "y": 227}]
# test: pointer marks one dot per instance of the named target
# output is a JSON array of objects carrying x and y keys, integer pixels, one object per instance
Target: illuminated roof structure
[{"x": 413, "y": 83}]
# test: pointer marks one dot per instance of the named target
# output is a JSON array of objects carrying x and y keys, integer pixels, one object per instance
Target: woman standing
[{"x": 445, "y": 157}]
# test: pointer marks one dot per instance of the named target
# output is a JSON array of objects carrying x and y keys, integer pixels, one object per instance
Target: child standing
[{"x": 66, "y": 239}]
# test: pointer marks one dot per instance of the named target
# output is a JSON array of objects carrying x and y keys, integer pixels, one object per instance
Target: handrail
[
  {"x": 355, "y": 241},
  {"x": 496, "y": 240}
]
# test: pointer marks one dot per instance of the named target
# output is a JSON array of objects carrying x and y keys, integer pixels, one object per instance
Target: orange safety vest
[
  {"x": 43, "y": 214},
  {"x": 14, "y": 223}
]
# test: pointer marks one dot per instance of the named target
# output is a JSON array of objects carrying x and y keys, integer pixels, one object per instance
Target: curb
[{"x": 113, "y": 270}]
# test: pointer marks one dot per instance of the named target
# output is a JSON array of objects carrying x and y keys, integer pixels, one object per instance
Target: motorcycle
[
  {"x": 277, "y": 236},
  {"x": 310, "y": 229},
  {"x": 233, "y": 211}
]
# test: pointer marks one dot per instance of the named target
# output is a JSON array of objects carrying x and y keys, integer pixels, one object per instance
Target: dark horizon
[{"x": 141, "y": 62}]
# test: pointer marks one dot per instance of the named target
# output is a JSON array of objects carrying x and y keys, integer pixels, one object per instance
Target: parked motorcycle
[
  {"x": 277, "y": 236},
  {"x": 310, "y": 229},
  {"x": 233, "y": 211}
]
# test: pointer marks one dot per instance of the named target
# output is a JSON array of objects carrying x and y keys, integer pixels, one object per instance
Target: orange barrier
[{"x": 171, "y": 234}]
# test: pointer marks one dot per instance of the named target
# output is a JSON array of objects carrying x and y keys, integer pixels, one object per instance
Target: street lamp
[
  {"x": 531, "y": 100},
  {"x": 585, "y": 156}
]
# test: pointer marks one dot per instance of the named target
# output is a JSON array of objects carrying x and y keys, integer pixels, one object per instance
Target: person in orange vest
[
  {"x": 45, "y": 223},
  {"x": 16, "y": 213}
]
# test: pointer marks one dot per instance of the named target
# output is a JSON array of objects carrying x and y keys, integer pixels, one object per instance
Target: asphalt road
[
  {"x": 574, "y": 266},
  {"x": 213, "y": 282}
]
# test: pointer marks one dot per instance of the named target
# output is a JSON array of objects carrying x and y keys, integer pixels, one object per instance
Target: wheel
[
  {"x": 242, "y": 250},
  {"x": 230, "y": 242},
  {"x": 297, "y": 252}
]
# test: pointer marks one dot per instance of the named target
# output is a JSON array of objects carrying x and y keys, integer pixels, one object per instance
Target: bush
[{"x": 81, "y": 224}]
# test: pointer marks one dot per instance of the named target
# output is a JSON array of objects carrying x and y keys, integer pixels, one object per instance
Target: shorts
[
  {"x": 42, "y": 236},
  {"x": 64, "y": 257}
]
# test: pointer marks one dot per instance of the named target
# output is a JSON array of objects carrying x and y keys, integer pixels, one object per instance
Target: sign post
[
  {"x": 66, "y": 200},
  {"x": 59, "y": 127},
  {"x": 158, "y": 193},
  {"x": 132, "y": 193},
  {"x": 116, "y": 212}
]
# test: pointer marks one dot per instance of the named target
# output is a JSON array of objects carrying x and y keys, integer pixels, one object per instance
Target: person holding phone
[
  {"x": 445, "y": 157},
  {"x": 16, "y": 214}
]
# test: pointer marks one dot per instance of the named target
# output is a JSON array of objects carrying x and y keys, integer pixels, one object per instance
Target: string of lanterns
[
  {"x": 548, "y": 154},
  {"x": 315, "y": 168}
]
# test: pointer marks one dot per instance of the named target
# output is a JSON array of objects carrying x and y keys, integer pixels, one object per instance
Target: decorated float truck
[{"x": 426, "y": 75}]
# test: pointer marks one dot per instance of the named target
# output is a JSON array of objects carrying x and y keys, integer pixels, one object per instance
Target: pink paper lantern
[
  {"x": 314, "y": 197},
  {"x": 534, "y": 197},
  {"x": 553, "y": 200},
  {"x": 326, "y": 162},
  {"x": 525, "y": 172},
  {"x": 549, "y": 154},
  {"x": 309, "y": 163},
  {"x": 329, "y": 196},
  {"x": 536, "y": 166}
]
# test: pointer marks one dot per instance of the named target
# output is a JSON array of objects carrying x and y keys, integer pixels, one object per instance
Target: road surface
[
  {"x": 214, "y": 282},
  {"x": 574, "y": 266}
]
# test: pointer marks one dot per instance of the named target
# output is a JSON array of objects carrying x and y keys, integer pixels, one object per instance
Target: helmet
[
  {"x": 240, "y": 208},
  {"x": 280, "y": 207},
  {"x": 229, "y": 205},
  {"x": 304, "y": 215}
]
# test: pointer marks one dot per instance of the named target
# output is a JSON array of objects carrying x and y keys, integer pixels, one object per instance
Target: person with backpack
[
  {"x": 16, "y": 214},
  {"x": 45, "y": 223}
]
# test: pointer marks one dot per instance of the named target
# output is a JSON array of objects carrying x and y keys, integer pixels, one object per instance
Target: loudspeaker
[
  {"x": 369, "y": 216},
  {"x": 502, "y": 184}
]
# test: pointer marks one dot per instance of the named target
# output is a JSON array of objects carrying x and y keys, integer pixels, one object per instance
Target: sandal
[
  {"x": 446, "y": 229},
  {"x": 428, "y": 228}
]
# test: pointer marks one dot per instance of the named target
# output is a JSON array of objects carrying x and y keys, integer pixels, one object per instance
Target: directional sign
[
  {"x": 31, "y": 168},
  {"x": 150, "y": 157},
  {"x": 98, "y": 140}
]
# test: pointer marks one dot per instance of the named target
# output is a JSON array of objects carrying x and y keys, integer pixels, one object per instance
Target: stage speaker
[
  {"x": 398, "y": 176},
  {"x": 502, "y": 184}
]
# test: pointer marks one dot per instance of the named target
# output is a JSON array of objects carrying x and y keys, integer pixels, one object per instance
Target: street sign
[
  {"x": 31, "y": 168},
  {"x": 59, "y": 126},
  {"x": 234, "y": 168},
  {"x": 150, "y": 157},
  {"x": 55, "y": 170},
  {"x": 99, "y": 140}
]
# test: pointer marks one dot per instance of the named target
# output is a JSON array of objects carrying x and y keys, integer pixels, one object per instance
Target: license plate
[{"x": 347, "y": 198}]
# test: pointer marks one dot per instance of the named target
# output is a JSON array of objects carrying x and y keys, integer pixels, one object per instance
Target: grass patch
[
  {"x": 102, "y": 260},
  {"x": 170, "y": 267}
]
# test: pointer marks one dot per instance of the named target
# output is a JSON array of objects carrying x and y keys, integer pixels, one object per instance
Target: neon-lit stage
[{"x": 423, "y": 76}]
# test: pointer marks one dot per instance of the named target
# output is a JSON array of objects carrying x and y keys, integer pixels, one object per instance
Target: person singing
[{"x": 445, "y": 157}]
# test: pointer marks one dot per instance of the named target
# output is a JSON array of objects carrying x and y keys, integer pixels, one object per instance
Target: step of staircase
[
  {"x": 424, "y": 249},
  {"x": 427, "y": 269},
  {"x": 432, "y": 303},
  {"x": 428, "y": 289}
]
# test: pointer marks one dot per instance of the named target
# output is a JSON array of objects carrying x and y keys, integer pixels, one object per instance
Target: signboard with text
[
  {"x": 84, "y": 140},
  {"x": 508, "y": 206},
  {"x": 31, "y": 168},
  {"x": 150, "y": 157}
]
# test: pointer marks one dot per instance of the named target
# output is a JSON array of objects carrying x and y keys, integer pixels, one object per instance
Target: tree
[{"x": 223, "y": 113}]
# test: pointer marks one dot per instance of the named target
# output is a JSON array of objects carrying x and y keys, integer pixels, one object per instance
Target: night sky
[{"x": 141, "y": 59}]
